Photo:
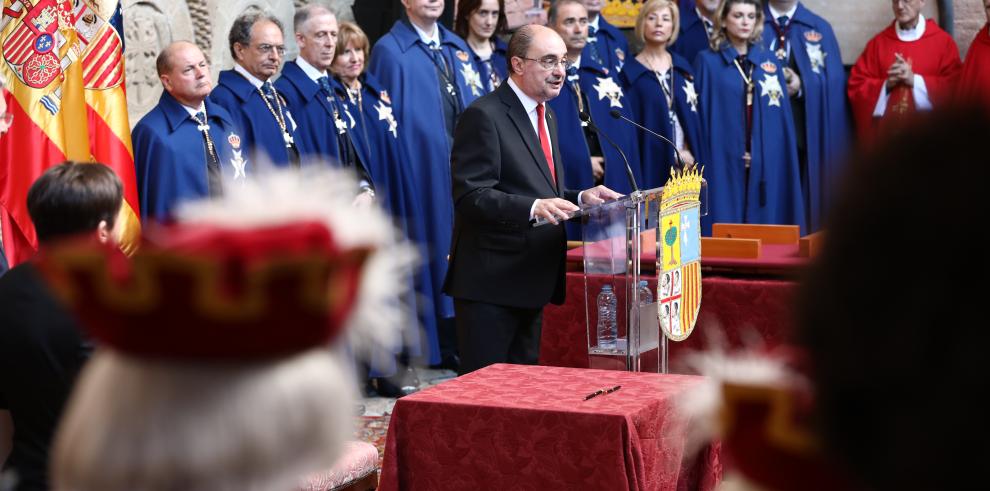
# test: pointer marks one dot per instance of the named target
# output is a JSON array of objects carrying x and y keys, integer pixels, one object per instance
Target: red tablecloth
[
  {"x": 735, "y": 312},
  {"x": 529, "y": 428}
]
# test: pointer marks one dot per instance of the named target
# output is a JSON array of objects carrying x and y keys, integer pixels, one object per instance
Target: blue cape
[
  {"x": 649, "y": 108},
  {"x": 406, "y": 70},
  {"x": 170, "y": 156},
  {"x": 693, "y": 37},
  {"x": 611, "y": 44},
  {"x": 826, "y": 109},
  {"x": 576, "y": 155},
  {"x": 378, "y": 136},
  {"x": 774, "y": 191},
  {"x": 499, "y": 64},
  {"x": 313, "y": 110},
  {"x": 246, "y": 106}
]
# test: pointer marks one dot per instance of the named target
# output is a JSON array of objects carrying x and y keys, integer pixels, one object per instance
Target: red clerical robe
[
  {"x": 975, "y": 82},
  {"x": 935, "y": 57}
]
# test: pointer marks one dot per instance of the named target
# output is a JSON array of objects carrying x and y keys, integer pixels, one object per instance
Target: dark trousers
[{"x": 488, "y": 334}]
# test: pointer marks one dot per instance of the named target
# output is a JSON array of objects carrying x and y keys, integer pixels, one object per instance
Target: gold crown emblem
[
  {"x": 683, "y": 186},
  {"x": 813, "y": 36},
  {"x": 769, "y": 67},
  {"x": 621, "y": 13}
]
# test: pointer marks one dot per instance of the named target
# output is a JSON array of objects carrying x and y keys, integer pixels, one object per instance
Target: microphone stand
[
  {"x": 586, "y": 118},
  {"x": 618, "y": 115}
]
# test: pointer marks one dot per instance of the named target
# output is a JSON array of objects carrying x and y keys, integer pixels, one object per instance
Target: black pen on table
[{"x": 602, "y": 391}]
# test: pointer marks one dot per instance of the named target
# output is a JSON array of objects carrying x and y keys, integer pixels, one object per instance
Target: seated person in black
[{"x": 41, "y": 350}]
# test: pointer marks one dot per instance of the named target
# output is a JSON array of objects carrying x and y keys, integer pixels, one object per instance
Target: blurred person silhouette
[
  {"x": 41, "y": 347},
  {"x": 215, "y": 366},
  {"x": 894, "y": 323},
  {"x": 881, "y": 386}
]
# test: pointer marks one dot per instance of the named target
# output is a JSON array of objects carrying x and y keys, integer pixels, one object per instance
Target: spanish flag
[{"x": 63, "y": 62}]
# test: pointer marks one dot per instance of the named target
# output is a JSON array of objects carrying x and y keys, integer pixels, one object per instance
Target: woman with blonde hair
[
  {"x": 376, "y": 138},
  {"x": 753, "y": 174},
  {"x": 660, "y": 86}
]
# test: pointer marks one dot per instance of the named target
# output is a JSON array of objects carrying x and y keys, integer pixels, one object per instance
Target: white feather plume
[{"x": 384, "y": 311}]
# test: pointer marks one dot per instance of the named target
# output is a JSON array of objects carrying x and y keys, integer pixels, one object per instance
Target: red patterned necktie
[{"x": 545, "y": 140}]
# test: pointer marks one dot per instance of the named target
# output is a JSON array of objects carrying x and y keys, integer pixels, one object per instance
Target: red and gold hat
[{"x": 210, "y": 293}]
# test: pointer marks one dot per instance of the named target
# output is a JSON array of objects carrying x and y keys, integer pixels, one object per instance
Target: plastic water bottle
[
  {"x": 645, "y": 295},
  {"x": 607, "y": 329}
]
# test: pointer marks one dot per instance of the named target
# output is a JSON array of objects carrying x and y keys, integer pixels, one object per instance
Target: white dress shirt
[
  {"x": 255, "y": 81},
  {"x": 311, "y": 71},
  {"x": 790, "y": 18},
  {"x": 529, "y": 104},
  {"x": 433, "y": 37}
]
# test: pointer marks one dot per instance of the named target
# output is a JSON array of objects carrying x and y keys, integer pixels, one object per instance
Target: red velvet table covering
[
  {"x": 735, "y": 312},
  {"x": 529, "y": 428}
]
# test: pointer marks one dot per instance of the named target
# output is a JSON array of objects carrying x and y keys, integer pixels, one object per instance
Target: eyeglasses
[
  {"x": 551, "y": 62},
  {"x": 267, "y": 49}
]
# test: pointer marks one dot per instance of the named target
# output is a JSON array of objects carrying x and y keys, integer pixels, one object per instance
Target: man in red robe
[
  {"x": 909, "y": 66},
  {"x": 975, "y": 81}
]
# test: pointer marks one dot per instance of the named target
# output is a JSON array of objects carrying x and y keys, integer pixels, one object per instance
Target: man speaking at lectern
[{"x": 506, "y": 171}]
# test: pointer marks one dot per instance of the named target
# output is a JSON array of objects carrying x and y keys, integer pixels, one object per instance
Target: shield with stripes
[
  {"x": 679, "y": 258},
  {"x": 31, "y": 48},
  {"x": 102, "y": 49}
]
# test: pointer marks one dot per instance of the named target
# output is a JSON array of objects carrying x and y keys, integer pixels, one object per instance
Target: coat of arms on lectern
[{"x": 679, "y": 254}]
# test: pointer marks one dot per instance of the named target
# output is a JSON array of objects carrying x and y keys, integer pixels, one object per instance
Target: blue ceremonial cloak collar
[
  {"x": 176, "y": 114},
  {"x": 237, "y": 84},
  {"x": 374, "y": 85},
  {"x": 802, "y": 15},
  {"x": 407, "y": 37},
  {"x": 632, "y": 71},
  {"x": 292, "y": 72},
  {"x": 729, "y": 54}
]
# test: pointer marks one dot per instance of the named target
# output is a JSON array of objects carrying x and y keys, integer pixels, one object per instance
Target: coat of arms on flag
[
  {"x": 679, "y": 258},
  {"x": 63, "y": 61}
]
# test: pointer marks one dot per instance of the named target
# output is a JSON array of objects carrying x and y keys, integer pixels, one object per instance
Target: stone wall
[
  {"x": 855, "y": 22},
  {"x": 150, "y": 25},
  {"x": 969, "y": 17}
]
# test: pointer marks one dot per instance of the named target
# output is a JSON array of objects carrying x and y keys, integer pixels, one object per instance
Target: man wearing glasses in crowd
[
  {"x": 248, "y": 93},
  {"x": 506, "y": 172},
  {"x": 591, "y": 89}
]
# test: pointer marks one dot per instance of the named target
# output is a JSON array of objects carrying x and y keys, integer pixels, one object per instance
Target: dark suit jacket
[{"x": 498, "y": 170}]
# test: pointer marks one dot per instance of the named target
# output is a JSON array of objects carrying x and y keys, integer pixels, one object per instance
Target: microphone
[
  {"x": 617, "y": 115},
  {"x": 586, "y": 119}
]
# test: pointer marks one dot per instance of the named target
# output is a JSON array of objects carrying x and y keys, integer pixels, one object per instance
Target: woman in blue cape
[
  {"x": 753, "y": 174},
  {"x": 661, "y": 91},
  {"x": 479, "y": 22},
  {"x": 376, "y": 138}
]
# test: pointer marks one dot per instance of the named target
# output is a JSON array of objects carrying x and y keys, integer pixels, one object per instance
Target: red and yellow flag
[{"x": 63, "y": 61}]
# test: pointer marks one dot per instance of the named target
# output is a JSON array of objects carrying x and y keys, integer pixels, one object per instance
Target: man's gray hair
[
  {"x": 555, "y": 6},
  {"x": 520, "y": 43},
  {"x": 305, "y": 12},
  {"x": 240, "y": 31}
]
